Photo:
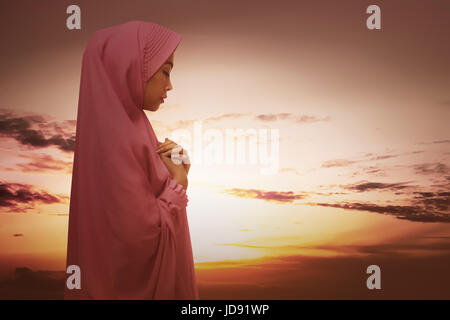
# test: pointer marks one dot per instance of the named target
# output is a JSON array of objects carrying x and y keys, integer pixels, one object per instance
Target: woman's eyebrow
[{"x": 170, "y": 64}]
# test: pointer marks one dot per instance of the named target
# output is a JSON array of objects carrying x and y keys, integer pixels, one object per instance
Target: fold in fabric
[{"x": 128, "y": 226}]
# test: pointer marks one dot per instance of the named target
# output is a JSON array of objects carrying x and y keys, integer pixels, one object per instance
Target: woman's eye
[{"x": 166, "y": 73}]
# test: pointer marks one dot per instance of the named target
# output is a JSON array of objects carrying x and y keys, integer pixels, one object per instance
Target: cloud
[
  {"x": 368, "y": 157},
  {"x": 42, "y": 163},
  {"x": 166, "y": 128},
  {"x": 18, "y": 197},
  {"x": 441, "y": 244},
  {"x": 18, "y": 235},
  {"x": 37, "y": 132},
  {"x": 432, "y": 168},
  {"x": 337, "y": 163},
  {"x": 391, "y": 248},
  {"x": 290, "y": 117},
  {"x": 425, "y": 211},
  {"x": 273, "y": 116},
  {"x": 373, "y": 170},
  {"x": 442, "y": 141},
  {"x": 227, "y": 116},
  {"x": 275, "y": 196},
  {"x": 434, "y": 201},
  {"x": 383, "y": 157},
  {"x": 370, "y": 186}
]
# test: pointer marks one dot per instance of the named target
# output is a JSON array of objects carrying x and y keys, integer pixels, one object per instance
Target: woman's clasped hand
[{"x": 179, "y": 171}]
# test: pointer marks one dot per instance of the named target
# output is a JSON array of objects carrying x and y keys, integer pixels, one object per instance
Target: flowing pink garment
[{"x": 128, "y": 228}]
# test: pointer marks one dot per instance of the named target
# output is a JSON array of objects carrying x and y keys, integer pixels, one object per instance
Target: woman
[{"x": 128, "y": 229}]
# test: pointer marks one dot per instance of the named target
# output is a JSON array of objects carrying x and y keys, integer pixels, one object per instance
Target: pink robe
[{"x": 128, "y": 226}]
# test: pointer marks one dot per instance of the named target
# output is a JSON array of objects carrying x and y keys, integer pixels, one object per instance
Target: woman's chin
[{"x": 153, "y": 108}]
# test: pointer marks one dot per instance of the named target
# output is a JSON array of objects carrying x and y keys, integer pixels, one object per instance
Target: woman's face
[{"x": 158, "y": 85}]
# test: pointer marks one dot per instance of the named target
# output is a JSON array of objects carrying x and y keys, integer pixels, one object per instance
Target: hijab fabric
[{"x": 128, "y": 228}]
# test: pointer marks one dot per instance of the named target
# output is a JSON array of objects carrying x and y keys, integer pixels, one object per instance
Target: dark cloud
[
  {"x": 432, "y": 168},
  {"x": 425, "y": 211},
  {"x": 421, "y": 207},
  {"x": 384, "y": 157},
  {"x": 18, "y": 235},
  {"x": 16, "y": 197},
  {"x": 435, "y": 201},
  {"x": 370, "y": 186},
  {"x": 425, "y": 194},
  {"x": 372, "y": 170},
  {"x": 442, "y": 141},
  {"x": 35, "y": 131},
  {"x": 347, "y": 162},
  {"x": 275, "y": 196},
  {"x": 368, "y": 157}
]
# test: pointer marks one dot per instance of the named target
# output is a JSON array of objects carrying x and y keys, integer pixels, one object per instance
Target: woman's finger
[
  {"x": 159, "y": 142},
  {"x": 170, "y": 148},
  {"x": 165, "y": 142},
  {"x": 166, "y": 147},
  {"x": 168, "y": 153},
  {"x": 162, "y": 144}
]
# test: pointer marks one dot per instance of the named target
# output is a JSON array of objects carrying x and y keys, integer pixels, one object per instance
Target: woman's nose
[{"x": 169, "y": 87}]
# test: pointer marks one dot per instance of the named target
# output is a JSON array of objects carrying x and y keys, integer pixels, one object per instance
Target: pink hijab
[{"x": 128, "y": 229}]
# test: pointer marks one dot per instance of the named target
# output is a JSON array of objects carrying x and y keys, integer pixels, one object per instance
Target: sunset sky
[{"x": 364, "y": 148}]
